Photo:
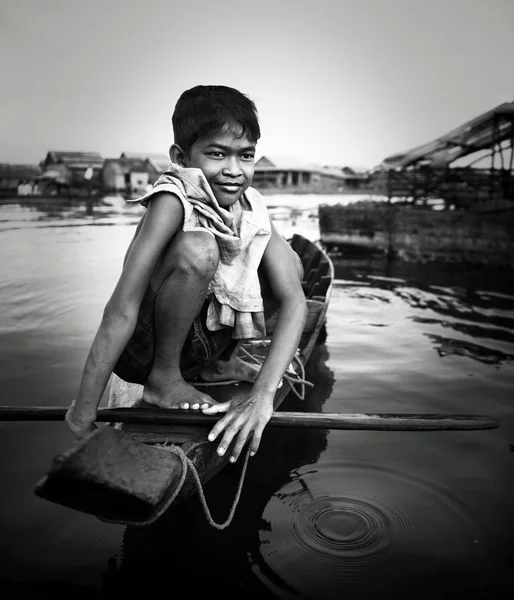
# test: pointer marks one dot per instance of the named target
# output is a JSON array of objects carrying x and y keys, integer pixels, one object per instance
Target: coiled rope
[{"x": 291, "y": 378}]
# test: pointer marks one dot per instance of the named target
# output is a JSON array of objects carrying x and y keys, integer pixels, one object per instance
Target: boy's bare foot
[
  {"x": 175, "y": 394},
  {"x": 224, "y": 370}
]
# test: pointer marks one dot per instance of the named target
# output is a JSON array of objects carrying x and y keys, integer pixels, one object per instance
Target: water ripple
[{"x": 359, "y": 527}]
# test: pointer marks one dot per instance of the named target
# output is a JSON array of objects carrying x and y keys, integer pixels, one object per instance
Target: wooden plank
[
  {"x": 322, "y": 286},
  {"x": 314, "y": 309},
  {"x": 321, "y": 271},
  {"x": 312, "y": 264}
]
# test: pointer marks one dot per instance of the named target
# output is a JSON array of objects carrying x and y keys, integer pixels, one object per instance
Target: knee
[{"x": 198, "y": 254}]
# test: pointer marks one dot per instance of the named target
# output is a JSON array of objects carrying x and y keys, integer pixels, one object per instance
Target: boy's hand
[
  {"x": 246, "y": 417},
  {"x": 79, "y": 424}
]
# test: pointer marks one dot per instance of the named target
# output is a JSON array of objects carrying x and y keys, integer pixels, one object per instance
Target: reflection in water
[
  {"x": 475, "y": 331},
  {"x": 181, "y": 546},
  {"x": 449, "y": 346},
  {"x": 465, "y": 311},
  {"x": 67, "y": 212}
]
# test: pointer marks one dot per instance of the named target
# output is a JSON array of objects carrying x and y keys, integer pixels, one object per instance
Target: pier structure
[
  {"x": 470, "y": 167},
  {"x": 450, "y": 199}
]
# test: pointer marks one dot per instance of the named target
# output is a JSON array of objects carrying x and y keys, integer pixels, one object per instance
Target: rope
[
  {"x": 291, "y": 379},
  {"x": 187, "y": 462}
]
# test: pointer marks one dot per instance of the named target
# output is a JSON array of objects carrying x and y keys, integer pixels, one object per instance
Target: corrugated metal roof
[
  {"x": 159, "y": 161},
  {"x": 482, "y": 132},
  {"x": 127, "y": 165},
  {"x": 284, "y": 163},
  {"x": 19, "y": 170},
  {"x": 76, "y": 159},
  {"x": 272, "y": 163}
]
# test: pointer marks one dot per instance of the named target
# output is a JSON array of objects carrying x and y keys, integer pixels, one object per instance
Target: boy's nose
[{"x": 232, "y": 167}]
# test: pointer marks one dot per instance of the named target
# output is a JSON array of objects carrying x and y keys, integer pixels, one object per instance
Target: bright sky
[{"x": 341, "y": 82}]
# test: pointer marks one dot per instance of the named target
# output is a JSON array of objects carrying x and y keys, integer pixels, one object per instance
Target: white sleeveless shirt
[{"x": 242, "y": 232}]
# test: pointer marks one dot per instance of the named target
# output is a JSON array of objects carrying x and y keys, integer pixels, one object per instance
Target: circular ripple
[{"x": 355, "y": 528}]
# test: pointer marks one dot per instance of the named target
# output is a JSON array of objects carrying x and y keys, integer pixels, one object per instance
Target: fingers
[
  {"x": 242, "y": 438},
  {"x": 233, "y": 428},
  {"x": 216, "y": 408},
  {"x": 256, "y": 439},
  {"x": 240, "y": 443},
  {"x": 230, "y": 432},
  {"x": 238, "y": 425},
  {"x": 217, "y": 429}
]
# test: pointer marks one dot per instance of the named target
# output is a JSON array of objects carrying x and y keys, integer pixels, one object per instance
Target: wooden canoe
[{"x": 126, "y": 473}]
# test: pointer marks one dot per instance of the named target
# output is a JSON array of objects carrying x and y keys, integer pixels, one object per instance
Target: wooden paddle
[{"x": 355, "y": 421}]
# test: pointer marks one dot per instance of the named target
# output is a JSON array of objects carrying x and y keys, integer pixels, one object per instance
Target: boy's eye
[
  {"x": 216, "y": 154},
  {"x": 248, "y": 156}
]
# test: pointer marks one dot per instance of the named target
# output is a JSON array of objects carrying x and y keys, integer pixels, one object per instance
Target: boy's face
[{"x": 227, "y": 161}]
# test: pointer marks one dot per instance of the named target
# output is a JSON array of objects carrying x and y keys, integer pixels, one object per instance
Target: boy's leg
[
  {"x": 181, "y": 281},
  {"x": 235, "y": 368}
]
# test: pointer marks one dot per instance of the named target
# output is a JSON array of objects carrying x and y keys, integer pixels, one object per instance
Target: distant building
[
  {"x": 293, "y": 175},
  {"x": 157, "y": 163},
  {"x": 127, "y": 175},
  {"x": 71, "y": 169},
  {"x": 19, "y": 179}
]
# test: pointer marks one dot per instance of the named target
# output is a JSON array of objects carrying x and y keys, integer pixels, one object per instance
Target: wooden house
[
  {"x": 293, "y": 175},
  {"x": 156, "y": 163},
  {"x": 72, "y": 169},
  {"x": 126, "y": 175},
  {"x": 16, "y": 179}
]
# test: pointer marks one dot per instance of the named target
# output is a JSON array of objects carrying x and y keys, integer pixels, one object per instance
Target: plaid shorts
[{"x": 201, "y": 347}]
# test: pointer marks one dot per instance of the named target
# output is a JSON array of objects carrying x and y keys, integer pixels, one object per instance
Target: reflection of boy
[{"x": 190, "y": 285}]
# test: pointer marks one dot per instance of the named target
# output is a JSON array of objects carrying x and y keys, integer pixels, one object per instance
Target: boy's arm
[
  {"x": 163, "y": 219},
  {"x": 249, "y": 417}
]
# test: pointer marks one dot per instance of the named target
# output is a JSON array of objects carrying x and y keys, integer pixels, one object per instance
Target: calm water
[{"x": 324, "y": 514}]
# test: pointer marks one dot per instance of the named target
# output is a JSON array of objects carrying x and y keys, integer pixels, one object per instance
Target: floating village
[{"x": 451, "y": 198}]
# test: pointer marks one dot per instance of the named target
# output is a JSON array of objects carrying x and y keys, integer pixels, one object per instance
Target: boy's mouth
[{"x": 229, "y": 188}]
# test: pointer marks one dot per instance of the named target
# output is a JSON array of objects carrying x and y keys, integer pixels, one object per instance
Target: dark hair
[{"x": 206, "y": 109}]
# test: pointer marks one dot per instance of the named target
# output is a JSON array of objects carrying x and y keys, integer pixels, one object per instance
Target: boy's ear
[{"x": 177, "y": 155}]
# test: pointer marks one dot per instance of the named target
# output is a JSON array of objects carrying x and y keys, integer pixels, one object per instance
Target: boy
[{"x": 190, "y": 284}]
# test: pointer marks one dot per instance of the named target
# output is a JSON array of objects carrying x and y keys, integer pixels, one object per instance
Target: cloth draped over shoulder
[{"x": 242, "y": 232}]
